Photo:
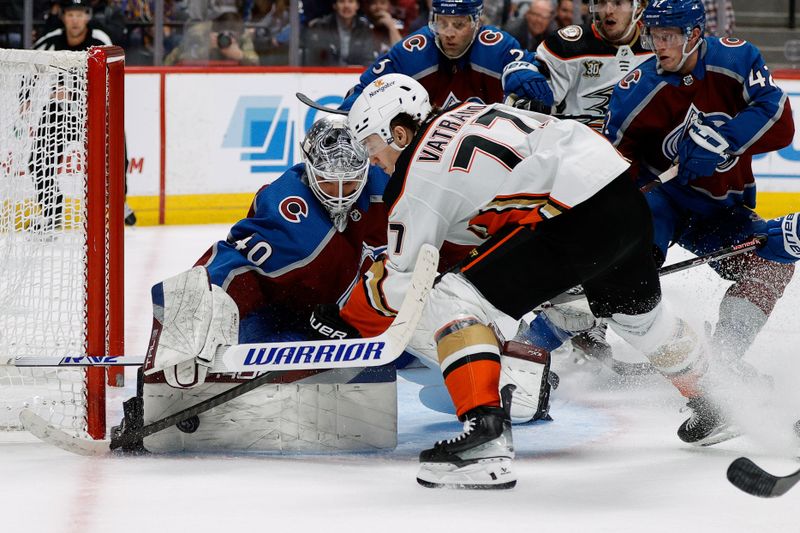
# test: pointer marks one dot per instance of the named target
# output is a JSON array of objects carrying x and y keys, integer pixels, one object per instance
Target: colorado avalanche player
[
  {"x": 457, "y": 59},
  {"x": 307, "y": 238},
  {"x": 710, "y": 104}
]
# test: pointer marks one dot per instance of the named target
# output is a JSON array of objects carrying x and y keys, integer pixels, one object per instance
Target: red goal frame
[{"x": 104, "y": 281}]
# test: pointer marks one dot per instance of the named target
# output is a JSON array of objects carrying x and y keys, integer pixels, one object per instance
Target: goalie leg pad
[
  {"x": 528, "y": 369},
  {"x": 333, "y": 411}
]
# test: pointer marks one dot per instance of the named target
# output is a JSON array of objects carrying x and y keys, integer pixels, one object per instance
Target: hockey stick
[
  {"x": 752, "y": 479},
  {"x": 394, "y": 339},
  {"x": 311, "y": 103},
  {"x": 728, "y": 251}
]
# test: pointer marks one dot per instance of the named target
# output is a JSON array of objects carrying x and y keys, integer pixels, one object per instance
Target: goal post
[{"x": 61, "y": 230}]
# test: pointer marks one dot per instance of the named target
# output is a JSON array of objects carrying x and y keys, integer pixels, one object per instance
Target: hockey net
[{"x": 61, "y": 205}]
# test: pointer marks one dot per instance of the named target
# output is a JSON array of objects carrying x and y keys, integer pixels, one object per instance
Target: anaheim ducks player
[
  {"x": 584, "y": 63},
  {"x": 560, "y": 209}
]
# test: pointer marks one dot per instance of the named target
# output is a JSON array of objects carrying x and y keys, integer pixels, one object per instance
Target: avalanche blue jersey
[
  {"x": 476, "y": 75},
  {"x": 286, "y": 256},
  {"x": 650, "y": 110}
]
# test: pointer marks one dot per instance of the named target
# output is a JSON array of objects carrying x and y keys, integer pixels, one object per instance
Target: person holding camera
[{"x": 221, "y": 41}]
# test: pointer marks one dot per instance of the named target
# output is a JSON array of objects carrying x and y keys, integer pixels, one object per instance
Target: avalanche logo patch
[
  {"x": 294, "y": 209},
  {"x": 732, "y": 42},
  {"x": 628, "y": 81},
  {"x": 490, "y": 38},
  {"x": 415, "y": 42}
]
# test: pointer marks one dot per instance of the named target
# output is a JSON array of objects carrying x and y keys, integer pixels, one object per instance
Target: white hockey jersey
[
  {"x": 583, "y": 69},
  {"x": 471, "y": 172}
]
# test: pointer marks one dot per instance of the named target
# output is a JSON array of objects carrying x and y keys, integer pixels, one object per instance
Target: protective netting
[{"x": 43, "y": 111}]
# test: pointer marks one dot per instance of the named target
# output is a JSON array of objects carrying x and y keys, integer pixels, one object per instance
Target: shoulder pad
[
  {"x": 494, "y": 48},
  {"x": 730, "y": 53},
  {"x": 415, "y": 53},
  {"x": 573, "y": 41}
]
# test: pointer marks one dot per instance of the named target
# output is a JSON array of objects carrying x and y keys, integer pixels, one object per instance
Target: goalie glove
[
  {"x": 524, "y": 80},
  {"x": 783, "y": 239},
  {"x": 326, "y": 323},
  {"x": 700, "y": 152}
]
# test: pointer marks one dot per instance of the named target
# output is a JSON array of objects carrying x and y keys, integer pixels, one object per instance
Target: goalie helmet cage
[{"x": 61, "y": 231}]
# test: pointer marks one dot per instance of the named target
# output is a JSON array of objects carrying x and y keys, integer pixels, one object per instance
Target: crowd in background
[{"x": 257, "y": 32}]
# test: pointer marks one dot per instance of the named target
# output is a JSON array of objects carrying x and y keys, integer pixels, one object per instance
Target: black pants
[{"x": 604, "y": 243}]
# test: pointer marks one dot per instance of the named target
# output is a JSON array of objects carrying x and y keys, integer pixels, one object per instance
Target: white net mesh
[{"x": 42, "y": 232}]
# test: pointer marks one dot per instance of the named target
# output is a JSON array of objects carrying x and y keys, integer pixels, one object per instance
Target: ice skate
[
  {"x": 707, "y": 425},
  {"x": 479, "y": 458}
]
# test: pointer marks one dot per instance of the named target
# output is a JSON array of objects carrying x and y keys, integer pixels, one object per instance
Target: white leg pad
[{"x": 290, "y": 417}]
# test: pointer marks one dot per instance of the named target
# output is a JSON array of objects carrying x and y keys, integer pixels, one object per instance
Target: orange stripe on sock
[{"x": 474, "y": 384}]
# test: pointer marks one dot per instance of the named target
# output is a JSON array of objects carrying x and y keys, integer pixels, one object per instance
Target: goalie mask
[{"x": 336, "y": 167}]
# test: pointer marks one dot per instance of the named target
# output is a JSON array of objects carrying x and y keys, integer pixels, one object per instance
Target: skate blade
[
  {"x": 484, "y": 474},
  {"x": 721, "y": 436}
]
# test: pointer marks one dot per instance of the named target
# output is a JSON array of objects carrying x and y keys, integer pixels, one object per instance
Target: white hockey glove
[
  {"x": 572, "y": 317},
  {"x": 192, "y": 319}
]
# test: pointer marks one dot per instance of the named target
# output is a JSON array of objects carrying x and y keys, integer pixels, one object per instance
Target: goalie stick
[
  {"x": 752, "y": 479},
  {"x": 393, "y": 340}
]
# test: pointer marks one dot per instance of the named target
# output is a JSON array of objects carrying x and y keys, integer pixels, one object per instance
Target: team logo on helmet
[{"x": 293, "y": 208}]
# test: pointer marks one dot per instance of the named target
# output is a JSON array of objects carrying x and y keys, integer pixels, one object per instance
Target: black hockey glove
[
  {"x": 327, "y": 324},
  {"x": 529, "y": 104}
]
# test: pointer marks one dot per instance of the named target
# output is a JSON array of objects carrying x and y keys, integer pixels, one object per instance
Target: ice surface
[{"x": 610, "y": 461}]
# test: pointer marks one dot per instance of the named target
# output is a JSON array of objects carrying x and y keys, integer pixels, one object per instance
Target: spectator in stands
[
  {"x": 495, "y": 12},
  {"x": 408, "y": 11},
  {"x": 564, "y": 13},
  {"x": 272, "y": 31},
  {"x": 423, "y": 14},
  {"x": 221, "y": 41},
  {"x": 720, "y": 19},
  {"x": 386, "y": 29},
  {"x": 314, "y": 9},
  {"x": 339, "y": 39},
  {"x": 535, "y": 25}
]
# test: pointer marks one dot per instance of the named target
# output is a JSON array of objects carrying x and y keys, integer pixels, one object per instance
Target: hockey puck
[{"x": 189, "y": 425}]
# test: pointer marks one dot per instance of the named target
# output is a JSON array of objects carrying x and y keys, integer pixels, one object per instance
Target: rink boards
[{"x": 201, "y": 142}]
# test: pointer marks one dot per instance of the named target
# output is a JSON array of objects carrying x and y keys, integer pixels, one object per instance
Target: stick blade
[
  {"x": 749, "y": 477},
  {"x": 39, "y": 427}
]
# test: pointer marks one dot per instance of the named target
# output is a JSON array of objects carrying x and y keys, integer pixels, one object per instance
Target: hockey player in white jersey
[
  {"x": 584, "y": 63},
  {"x": 550, "y": 205}
]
